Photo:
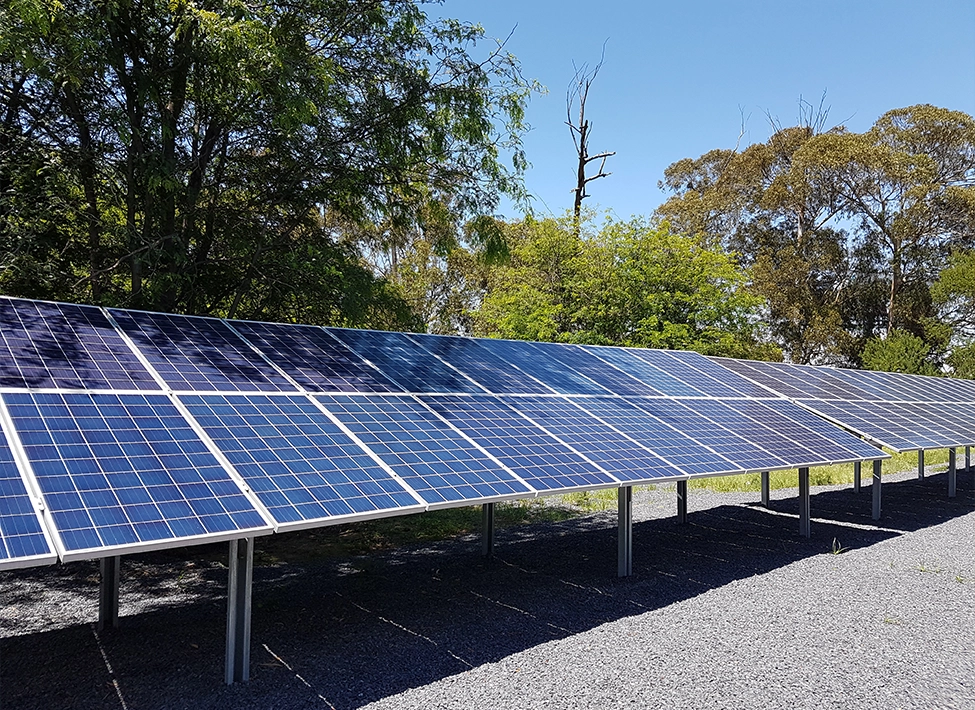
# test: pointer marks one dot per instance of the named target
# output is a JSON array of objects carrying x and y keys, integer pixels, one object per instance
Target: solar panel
[
  {"x": 22, "y": 539},
  {"x": 599, "y": 442},
  {"x": 534, "y": 362},
  {"x": 126, "y": 472},
  {"x": 540, "y": 459},
  {"x": 203, "y": 354},
  {"x": 435, "y": 460},
  {"x": 299, "y": 463},
  {"x": 721, "y": 370},
  {"x": 590, "y": 366},
  {"x": 67, "y": 346},
  {"x": 871, "y": 420},
  {"x": 765, "y": 376},
  {"x": 631, "y": 363},
  {"x": 314, "y": 359},
  {"x": 491, "y": 372},
  {"x": 828, "y": 385},
  {"x": 674, "y": 365},
  {"x": 687, "y": 453},
  {"x": 733, "y": 446},
  {"x": 405, "y": 362}
]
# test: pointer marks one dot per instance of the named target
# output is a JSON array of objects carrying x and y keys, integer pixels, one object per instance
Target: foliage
[{"x": 900, "y": 351}]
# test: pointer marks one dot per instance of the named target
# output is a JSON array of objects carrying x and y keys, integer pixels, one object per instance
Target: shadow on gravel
[{"x": 343, "y": 634}]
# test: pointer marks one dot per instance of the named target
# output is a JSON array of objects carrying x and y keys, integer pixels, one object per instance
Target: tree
[
  {"x": 576, "y": 97},
  {"x": 898, "y": 352}
]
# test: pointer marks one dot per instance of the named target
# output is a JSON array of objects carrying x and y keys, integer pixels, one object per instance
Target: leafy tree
[{"x": 900, "y": 351}]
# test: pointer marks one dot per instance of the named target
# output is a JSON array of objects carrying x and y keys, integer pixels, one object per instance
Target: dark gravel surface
[{"x": 731, "y": 610}]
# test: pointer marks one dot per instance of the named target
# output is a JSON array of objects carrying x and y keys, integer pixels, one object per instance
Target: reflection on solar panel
[
  {"x": 884, "y": 423},
  {"x": 533, "y": 361},
  {"x": 493, "y": 373},
  {"x": 721, "y": 369},
  {"x": 738, "y": 449},
  {"x": 61, "y": 345},
  {"x": 676, "y": 447},
  {"x": 22, "y": 539},
  {"x": 590, "y": 366},
  {"x": 405, "y": 362},
  {"x": 631, "y": 363},
  {"x": 192, "y": 353},
  {"x": 616, "y": 453},
  {"x": 540, "y": 459},
  {"x": 126, "y": 471},
  {"x": 675, "y": 366},
  {"x": 436, "y": 461},
  {"x": 301, "y": 466},
  {"x": 314, "y": 359},
  {"x": 757, "y": 372}
]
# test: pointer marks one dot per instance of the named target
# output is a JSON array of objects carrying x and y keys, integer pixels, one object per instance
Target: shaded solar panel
[
  {"x": 62, "y": 345},
  {"x": 677, "y": 367},
  {"x": 590, "y": 366},
  {"x": 599, "y": 442},
  {"x": 402, "y": 360},
  {"x": 642, "y": 369},
  {"x": 493, "y": 373},
  {"x": 437, "y": 462},
  {"x": 22, "y": 539},
  {"x": 733, "y": 445},
  {"x": 541, "y": 460},
  {"x": 722, "y": 370},
  {"x": 676, "y": 447},
  {"x": 533, "y": 361},
  {"x": 192, "y": 353},
  {"x": 298, "y": 462},
  {"x": 314, "y": 359},
  {"x": 127, "y": 471}
]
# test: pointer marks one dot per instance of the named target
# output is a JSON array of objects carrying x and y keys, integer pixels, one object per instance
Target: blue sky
[{"x": 678, "y": 75}]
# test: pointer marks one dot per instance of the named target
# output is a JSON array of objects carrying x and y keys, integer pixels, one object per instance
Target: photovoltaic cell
[
  {"x": 405, "y": 362},
  {"x": 590, "y": 366},
  {"x": 437, "y": 462},
  {"x": 540, "y": 459},
  {"x": 67, "y": 346},
  {"x": 676, "y": 367},
  {"x": 21, "y": 535},
  {"x": 721, "y": 370},
  {"x": 299, "y": 463},
  {"x": 192, "y": 353},
  {"x": 491, "y": 372},
  {"x": 314, "y": 359},
  {"x": 533, "y": 361},
  {"x": 599, "y": 442},
  {"x": 764, "y": 376},
  {"x": 126, "y": 471},
  {"x": 869, "y": 420},
  {"x": 642, "y": 369},
  {"x": 687, "y": 453}
]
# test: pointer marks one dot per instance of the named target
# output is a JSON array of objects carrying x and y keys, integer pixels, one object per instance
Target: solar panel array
[
  {"x": 125, "y": 431},
  {"x": 899, "y": 411}
]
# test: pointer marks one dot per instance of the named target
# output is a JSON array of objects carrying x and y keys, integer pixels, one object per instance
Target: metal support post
[
  {"x": 681, "y": 502},
  {"x": 625, "y": 531},
  {"x": 878, "y": 466},
  {"x": 765, "y": 488},
  {"x": 920, "y": 464},
  {"x": 804, "y": 510},
  {"x": 952, "y": 474},
  {"x": 241, "y": 572},
  {"x": 857, "y": 467},
  {"x": 487, "y": 529},
  {"x": 968, "y": 458},
  {"x": 108, "y": 593}
]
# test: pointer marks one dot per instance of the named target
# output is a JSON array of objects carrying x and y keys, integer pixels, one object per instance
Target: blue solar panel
[
  {"x": 22, "y": 539},
  {"x": 62, "y": 345},
  {"x": 314, "y": 359},
  {"x": 735, "y": 447},
  {"x": 543, "y": 461},
  {"x": 405, "y": 362},
  {"x": 192, "y": 353},
  {"x": 533, "y": 361},
  {"x": 298, "y": 462},
  {"x": 437, "y": 462},
  {"x": 764, "y": 374},
  {"x": 126, "y": 471},
  {"x": 615, "y": 452},
  {"x": 614, "y": 380},
  {"x": 870, "y": 420},
  {"x": 721, "y": 369},
  {"x": 629, "y": 362},
  {"x": 673, "y": 364},
  {"x": 679, "y": 449},
  {"x": 493, "y": 373}
]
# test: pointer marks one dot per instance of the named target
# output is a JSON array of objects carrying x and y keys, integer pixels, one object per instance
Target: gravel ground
[{"x": 731, "y": 610}]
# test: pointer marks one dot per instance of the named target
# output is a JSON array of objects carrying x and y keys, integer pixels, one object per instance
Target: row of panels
[{"x": 94, "y": 474}]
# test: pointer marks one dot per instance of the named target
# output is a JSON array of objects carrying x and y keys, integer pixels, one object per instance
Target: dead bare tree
[{"x": 576, "y": 96}]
